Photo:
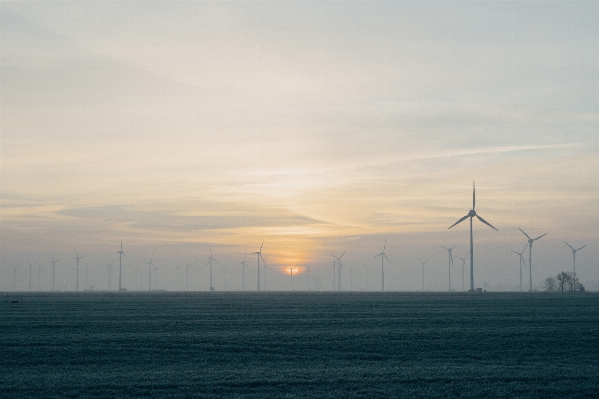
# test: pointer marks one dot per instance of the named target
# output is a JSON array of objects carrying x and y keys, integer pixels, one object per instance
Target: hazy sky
[{"x": 317, "y": 127}]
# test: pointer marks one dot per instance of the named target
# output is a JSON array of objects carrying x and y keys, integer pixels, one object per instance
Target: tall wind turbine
[
  {"x": 338, "y": 259},
  {"x": 259, "y": 255},
  {"x": 463, "y": 267},
  {"x": 54, "y": 262},
  {"x": 383, "y": 255},
  {"x": 243, "y": 266},
  {"x": 210, "y": 259},
  {"x": 423, "y": 262},
  {"x": 109, "y": 266},
  {"x": 521, "y": 255},
  {"x": 121, "y": 254},
  {"x": 449, "y": 261},
  {"x": 30, "y": 266},
  {"x": 470, "y": 215},
  {"x": 150, "y": 265},
  {"x": 574, "y": 255},
  {"x": 187, "y": 266},
  {"x": 530, "y": 241},
  {"x": 77, "y": 258}
]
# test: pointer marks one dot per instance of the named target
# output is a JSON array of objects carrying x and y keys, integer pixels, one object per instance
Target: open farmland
[{"x": 257, "y": 345}]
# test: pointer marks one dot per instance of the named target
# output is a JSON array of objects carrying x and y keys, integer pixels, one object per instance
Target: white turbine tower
[
  {"x": 383, "y": 255},
  {"x": 54, "y": 262},
  {"x": 338, "y": 259},
  {"x": 30, "y": 266},
  {"x": 150, "y": 265},
  {"x": 259, "y": 255},
  {"x": 109, "y": 266},
  {"x": 77, "y": 258},
  {"x": 210, "y": 259},
  {"x": 574, "y": 255},
  {"x": 530, "y": 241},
  {"x": 187, "y": 266},
  {"x": 243, "y": 267},
  {"x": 423, "y": 262},
  {"x": 449, "y": 261},
  {"x": 121, "y": 254},
  {"x": 521, "y": 255},
  {"x": 471, "y": 214},
  {"x": 463, "y": 267}
]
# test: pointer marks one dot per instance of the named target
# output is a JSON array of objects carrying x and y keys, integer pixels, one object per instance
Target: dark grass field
[{"x": 288, "y": 345}]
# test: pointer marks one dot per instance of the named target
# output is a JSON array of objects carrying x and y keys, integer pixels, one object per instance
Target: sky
[{"x": 185, "y": 127}]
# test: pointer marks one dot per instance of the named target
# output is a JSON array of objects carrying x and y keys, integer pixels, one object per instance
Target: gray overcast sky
[{"x": 315, "y": 126}]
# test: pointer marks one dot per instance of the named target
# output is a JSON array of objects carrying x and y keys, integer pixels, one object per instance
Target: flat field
[{"x": 300, "y": 345}]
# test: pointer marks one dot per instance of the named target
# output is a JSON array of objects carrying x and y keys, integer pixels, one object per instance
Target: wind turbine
[
  {"x": 574, "y": 255},
  {"x": 77, "y": 258},
  {"x": 521, "y": 255},
  {"x": 150, "y": 265},
  {"x": 470, "y": 215},
  {"x": 463, "y": 267},
  {"x": 339, "y": 270},
  {"x": 121, "y": 253},
  {"x": 530, "y": 241},
  {"x": 291, "y": 269},
  {"x": 54, "y": 262},
  {"x": 210, "y": 259},
  {"x": 187, "y": 266},
  {"x": 423, "y": 271},
  {"x": 449, "y": 262},
  {"x": 259, "y": 255},
  {"x": 30, "y": 266},
  {"x": 109, "y": 266},
  {"x": 243, "y": 266},
  {"x": 383, "y": 255}
]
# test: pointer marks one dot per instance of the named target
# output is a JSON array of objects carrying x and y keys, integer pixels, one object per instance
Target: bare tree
[{"x": 549, "y": 284}]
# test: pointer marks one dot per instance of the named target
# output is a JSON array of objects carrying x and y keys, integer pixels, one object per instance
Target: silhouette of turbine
[
  {"x": 530, "y": 241},
  {"x": 521, "y": 255},
  {"x": 574, "y": 255},
  {"x": 423, "y": 271},
  {"x": 470, "y": 215},
  {"x": 78, "y": 257},
  {"x": 450, "y": 262},
  {"x": 121, "y": 253},
  {"x": 210, "y": 259},
  {"x": 383, "y": 255},
  {"x": 259, "y": 255}
]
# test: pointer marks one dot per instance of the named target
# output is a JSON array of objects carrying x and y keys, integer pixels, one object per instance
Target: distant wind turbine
[
  {"x": 54, "y": 262},
  {"x": 77, "y": 258},
  {"x": 470, "y": 215},
  {"x": 243, "y": 266},
  {"x": 259, "y": 256},
  {"x": 338, "y": 259},
  {"x": 463, "y": 267},
  {"x": 383, "y": 255},
  {"x": 30, "y": 266},
  {"x": 210, "y": 259},
  {"x": 530, "y": 241},
  {"x": 449, "y": 261},
  {"x": 521, "y": 255},
  {"x": 423, "y": 262},
  {"x": 121, "y": 253},
  {"x": 574, "y": 255}
]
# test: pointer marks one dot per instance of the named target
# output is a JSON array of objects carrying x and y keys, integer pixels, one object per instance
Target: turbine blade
[
  {"x": 527, "y": 236},
  {"x": 569, "y": 246},
  {"x": 473, "y": 195},
  {"x": 459, "y": 221},
  {"x": 582, "y": 247},
  {"x": 540, "y": 236},
  {"x": 485, "y": 222}
]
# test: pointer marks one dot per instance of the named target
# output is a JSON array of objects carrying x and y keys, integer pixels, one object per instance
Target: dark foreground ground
[{"x": 288, "y": 345}]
